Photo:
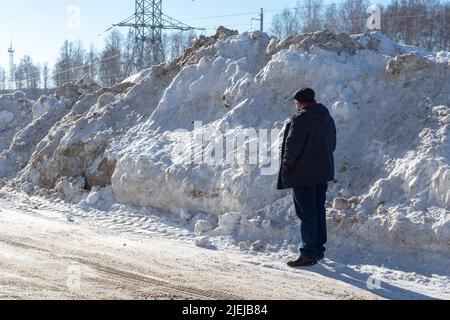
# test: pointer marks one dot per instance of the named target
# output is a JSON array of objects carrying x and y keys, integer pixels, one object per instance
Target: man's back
[{"x": 308, "y": 147}]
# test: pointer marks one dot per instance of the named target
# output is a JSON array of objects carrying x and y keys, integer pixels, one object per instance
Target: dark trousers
[{"x": 310, "y": 208}]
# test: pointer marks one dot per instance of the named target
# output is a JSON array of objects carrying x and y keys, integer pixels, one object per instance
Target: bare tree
[
  {"x": 128, "y": 54},
  {"x": 442, "y": 28},
  {"x": 2, "y": 79},
  {"x": 78, "y": 60},
  {"x": 310, "y": 14},
  {"x": 286, "y": 23},
  {"x": 62, "y": 71},
  {"x": 111, "y": 67},
  {"x": 422, "y": 23},
  {"x": 178, "y": 42},
  {"x": 331, "y": 19},
  {"x": 91, "y": 67},
  {"x": 354, "y": 16},
  {"x": 28, "y": 77}
]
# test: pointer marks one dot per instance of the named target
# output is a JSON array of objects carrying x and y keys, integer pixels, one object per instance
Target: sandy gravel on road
[{"x": 42, "y": 258}]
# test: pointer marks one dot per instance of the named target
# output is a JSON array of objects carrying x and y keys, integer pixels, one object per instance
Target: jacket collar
[{"x": 309, "y": 107}]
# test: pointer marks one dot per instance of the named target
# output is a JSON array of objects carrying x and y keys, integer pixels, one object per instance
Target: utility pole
[
  {"x": 260, "y": 19},
  {"x": 148, "y": 22},
  {"x": 11, "y": 67}
]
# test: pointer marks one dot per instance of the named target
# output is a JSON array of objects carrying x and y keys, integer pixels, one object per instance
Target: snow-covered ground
[
  {"x": 53, "y": 250},
  {"x": 353, "y": 272},
  {"x": 43, "y": 256},
  {"x": 127, "y": 157}
]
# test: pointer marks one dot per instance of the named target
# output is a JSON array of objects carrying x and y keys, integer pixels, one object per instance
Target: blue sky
[{"x": 38, "y": 28}]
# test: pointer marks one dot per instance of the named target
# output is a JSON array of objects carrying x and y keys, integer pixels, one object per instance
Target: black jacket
[{"x": 307, "y": 151}]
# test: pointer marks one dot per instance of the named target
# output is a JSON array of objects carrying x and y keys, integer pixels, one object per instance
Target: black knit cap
[{"x": 305, "y": 95}]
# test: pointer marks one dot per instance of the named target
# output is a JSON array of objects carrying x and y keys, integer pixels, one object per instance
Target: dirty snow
[{"x": 112, "y": 151}]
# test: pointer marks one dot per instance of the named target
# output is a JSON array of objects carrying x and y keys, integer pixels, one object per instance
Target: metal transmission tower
[
  {"x": 11, "y": 67},
  {"x": 149, "y": 22}
]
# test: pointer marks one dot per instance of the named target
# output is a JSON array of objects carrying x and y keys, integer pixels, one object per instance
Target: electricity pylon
[
  {"x": 148, "y": 22},
  {"x": 11, "y": 81}
]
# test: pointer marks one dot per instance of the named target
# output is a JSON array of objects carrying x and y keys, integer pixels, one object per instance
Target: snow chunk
[
  {"x": 93, "y": 198},
  {"x": 229, "y": 222},
  {"x": 257, "y": 246},
  {"x": 341, "y": 204},
  {"x": 70, "y": 188},
  {"x": 202, "y": 226},
  {"x": 6, "y": 118},
  {"x": 105, "y": 99},
  {"x": 202, "y": 242},
  {"x": 411, "y": 62},
  {"x": 42, "y": 106}
]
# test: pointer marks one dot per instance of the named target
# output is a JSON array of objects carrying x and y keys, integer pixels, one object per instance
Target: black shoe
[{"x": 302, "y": 262}]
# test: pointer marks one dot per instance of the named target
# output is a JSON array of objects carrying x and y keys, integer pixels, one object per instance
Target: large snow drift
[
  {"x": 34, "y": 123},
  {"x": 15, "y": 113},
  {"x": 391, "y": 103}
]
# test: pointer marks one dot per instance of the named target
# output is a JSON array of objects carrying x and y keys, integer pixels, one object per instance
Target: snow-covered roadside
[
  {"x": 390, "y": 102},
  {"x": 42, "y": 256},
  {"x": 382, "y": 273}
]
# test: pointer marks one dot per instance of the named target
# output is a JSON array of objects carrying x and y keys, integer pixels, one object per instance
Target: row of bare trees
[
  {"x": 422, "y": 23},
  {"x": 3, "y": 80},
  {"x": 111, "y": 64},
  {"x": 32, "y": 78}
]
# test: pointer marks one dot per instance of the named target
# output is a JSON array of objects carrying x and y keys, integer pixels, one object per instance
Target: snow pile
[
  {"x": 72, "y": 90},
  {"x": 71, "y": 188},
  {"x": 44, "y": 105},
  {"x": 82, "y": 143},
  {"x": 14, "y": 115},
  {"x": 45, "y": 113},
  {"x": 393, "y": 151},
  {"x": 6, "y": 118},
  {"x": 391, "y": 104}
]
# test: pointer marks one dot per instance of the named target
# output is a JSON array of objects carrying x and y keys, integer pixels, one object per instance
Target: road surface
[{"x": 44, "y": 257}]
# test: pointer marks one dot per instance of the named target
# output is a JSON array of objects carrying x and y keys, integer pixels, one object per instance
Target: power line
[
  {"x": 37, "y": 10},
  {"x": 389, "y": 18},
  {"x": 306, "y": 7},
  {"x": 88, "y": 64},
  {"x": 256, "y": 12},
  {"x": 75, "y": 68},
  {"x": 223, "y": 16},
  {"x": 281, "y": 10},
  {"x": 121, "y": 76}
]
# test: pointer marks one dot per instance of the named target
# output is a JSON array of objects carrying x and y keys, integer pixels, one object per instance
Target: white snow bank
[
  {"x": 393, "y": 144},
  {"x": 390, "y": 102},
  {"x": 15, "y": 114},
  {"x": 42, "y": 106},
  {"x": 36, "y": 122},
  {"x": 6, "y": 118}
]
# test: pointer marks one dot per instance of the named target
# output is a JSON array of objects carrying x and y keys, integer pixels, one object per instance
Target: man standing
[{"x": 307, "y": 167}]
